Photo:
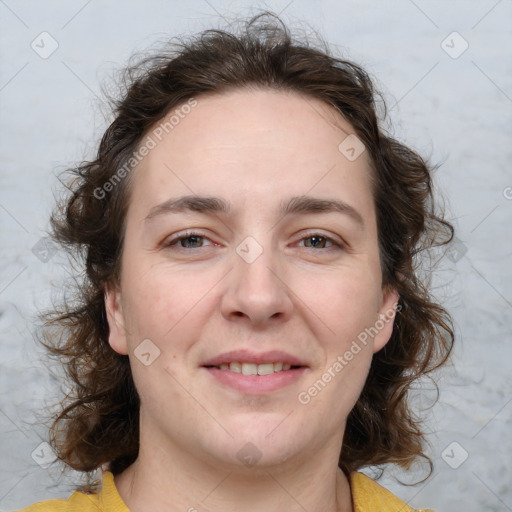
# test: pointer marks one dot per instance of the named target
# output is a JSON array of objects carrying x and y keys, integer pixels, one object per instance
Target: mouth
[
  {"x": 253, "y": 373},
  {"x": 255, "y": 369}
]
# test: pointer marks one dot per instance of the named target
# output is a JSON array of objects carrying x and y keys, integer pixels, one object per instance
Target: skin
[{"x": 197, "y": 298}]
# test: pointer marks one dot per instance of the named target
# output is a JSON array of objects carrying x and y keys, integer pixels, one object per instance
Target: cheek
[
  {"x": 159, "y": 299},
  {"x": 346, "y": 301}
]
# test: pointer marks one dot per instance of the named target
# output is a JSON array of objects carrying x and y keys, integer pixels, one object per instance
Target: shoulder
[
  {"x": 107, "y": 500},
  {"x": 369, "y": 496},
  {"x": 78, "y": 501}
]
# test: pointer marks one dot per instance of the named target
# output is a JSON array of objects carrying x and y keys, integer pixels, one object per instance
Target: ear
[
  {"x": 115, "y": 319},
  {"x": 386, "y": 318}
]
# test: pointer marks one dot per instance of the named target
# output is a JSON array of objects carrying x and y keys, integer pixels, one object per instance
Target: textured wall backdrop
[{"x": 446, "y": 71}]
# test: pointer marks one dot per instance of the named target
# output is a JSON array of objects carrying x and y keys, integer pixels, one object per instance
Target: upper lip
[{"x": 246, "y": 356}]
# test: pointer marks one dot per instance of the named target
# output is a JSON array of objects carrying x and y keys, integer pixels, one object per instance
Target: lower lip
[{"x": 257, "y": 384}]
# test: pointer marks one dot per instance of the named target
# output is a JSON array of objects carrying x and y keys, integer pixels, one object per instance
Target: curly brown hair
[{"x": 98, "y": 420}]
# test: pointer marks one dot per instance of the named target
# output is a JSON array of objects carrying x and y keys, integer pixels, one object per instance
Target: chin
[{"x": 265, "y": 447}]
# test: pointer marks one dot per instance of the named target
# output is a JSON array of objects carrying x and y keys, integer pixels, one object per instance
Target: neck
[{"x": 172, "y": 482}]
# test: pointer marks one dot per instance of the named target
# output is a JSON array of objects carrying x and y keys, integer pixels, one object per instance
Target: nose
[{"x": 257, "y": 292}]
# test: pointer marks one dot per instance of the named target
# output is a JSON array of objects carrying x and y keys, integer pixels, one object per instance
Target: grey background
[{"x": 457, "y": 111}]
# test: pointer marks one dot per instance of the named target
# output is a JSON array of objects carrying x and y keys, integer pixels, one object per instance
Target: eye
[
  {"x": 319, "y": 241},
  {"x": 189, "y": 240}
]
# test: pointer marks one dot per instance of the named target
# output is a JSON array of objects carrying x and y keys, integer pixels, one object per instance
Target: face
[{"x": 251, "y": 239}]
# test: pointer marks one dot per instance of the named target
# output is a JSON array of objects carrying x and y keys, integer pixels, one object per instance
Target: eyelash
[{"x": 189, "y": 234}]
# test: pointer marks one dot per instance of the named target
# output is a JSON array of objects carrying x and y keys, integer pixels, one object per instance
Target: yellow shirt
[{"x": 367, "y": 496}]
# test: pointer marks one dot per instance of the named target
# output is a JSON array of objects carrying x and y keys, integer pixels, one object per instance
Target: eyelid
[
  {"x": 336, "y": 241},
  {"x": 174, "y": 239}
]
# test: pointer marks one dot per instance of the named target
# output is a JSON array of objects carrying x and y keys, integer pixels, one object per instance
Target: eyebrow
[{"x": 215, "y": 205}]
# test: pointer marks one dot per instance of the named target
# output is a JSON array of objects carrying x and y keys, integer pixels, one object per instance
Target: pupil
[
  {"x": 316, "y": 241},
  {"x": 194, "y": 241}
]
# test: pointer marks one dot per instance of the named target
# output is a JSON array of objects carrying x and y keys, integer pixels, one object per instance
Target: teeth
[
  {"x": 255, "y": 369},
  {"x": 249, "y": 369},
  {"x": 235, "y": 367},
  {"x": 265, "y": 369}
]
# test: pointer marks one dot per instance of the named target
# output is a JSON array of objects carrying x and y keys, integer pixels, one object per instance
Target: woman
[{"x": 252, "y": 316}]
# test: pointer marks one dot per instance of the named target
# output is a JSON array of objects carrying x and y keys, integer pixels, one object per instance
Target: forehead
[
  {"x": 250, "y": 143},
  {"x": 268, "y": 117}
]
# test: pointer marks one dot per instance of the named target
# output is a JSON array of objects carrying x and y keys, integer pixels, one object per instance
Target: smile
[
  {"x": 255, "y": 373},
  {"x": 255, "y": 369},
  {"x": 252, "y": 379}
]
